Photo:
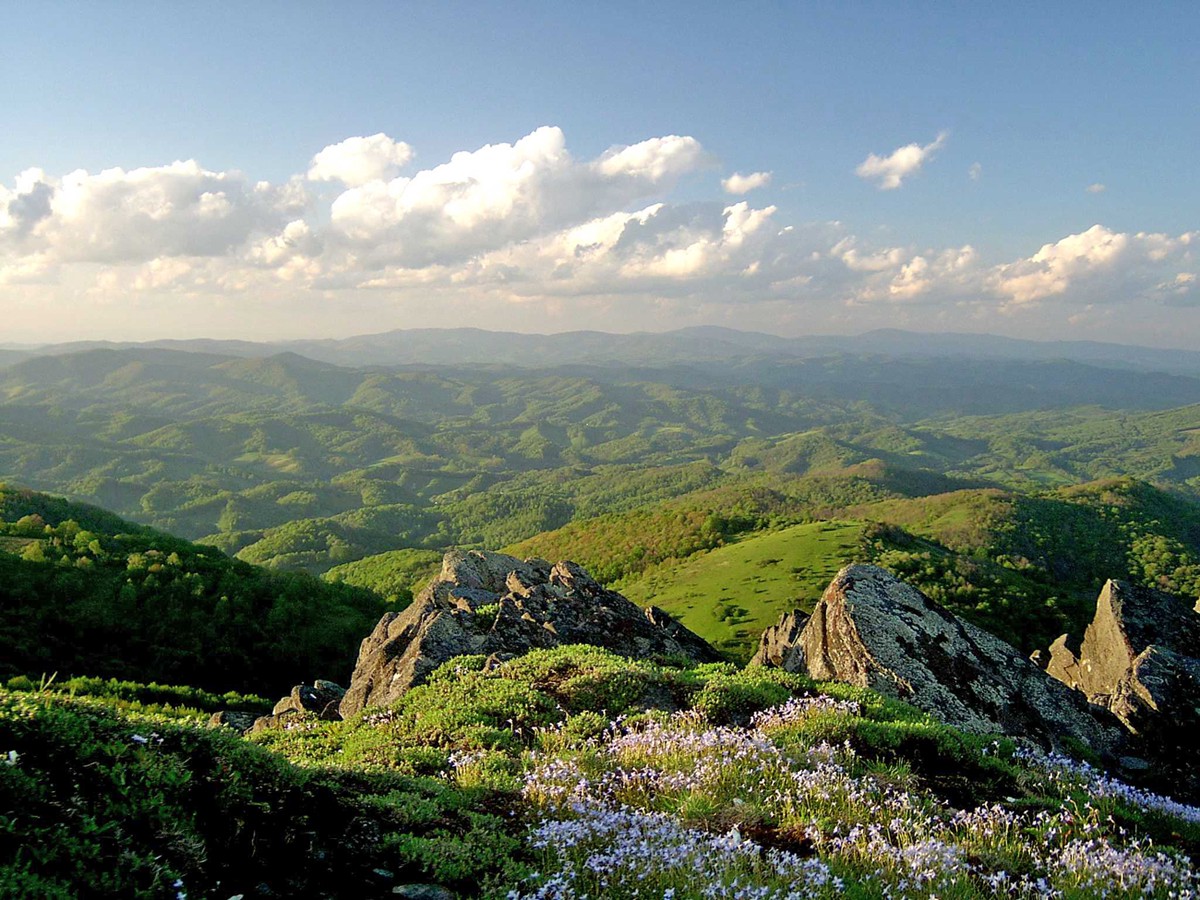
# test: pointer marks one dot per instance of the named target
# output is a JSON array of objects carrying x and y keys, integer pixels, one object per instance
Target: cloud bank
[{"x": 516, "y": 234}]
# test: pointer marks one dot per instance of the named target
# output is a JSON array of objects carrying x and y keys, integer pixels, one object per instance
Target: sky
[{"x": 271, "y": 170}]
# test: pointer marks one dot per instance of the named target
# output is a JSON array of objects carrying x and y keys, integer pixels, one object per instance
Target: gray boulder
[
  {"x": 873, "y": 630},
  {"x": 501, "y": 607},
  {"x": 1139, "y": 658}
]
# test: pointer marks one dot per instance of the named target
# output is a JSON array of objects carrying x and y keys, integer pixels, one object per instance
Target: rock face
[
  {"x": 873, "y": 630},
  {"x": 1140, "y": 658},
  {"x": 501, "y": 606},
  {"x": 779, "y": 645}
]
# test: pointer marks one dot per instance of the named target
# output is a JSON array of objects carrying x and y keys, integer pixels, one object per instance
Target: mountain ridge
[{"x": 537, "y": 350}]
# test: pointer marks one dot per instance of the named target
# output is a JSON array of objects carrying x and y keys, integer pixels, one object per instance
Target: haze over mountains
[{"x": 473, "y": 346}]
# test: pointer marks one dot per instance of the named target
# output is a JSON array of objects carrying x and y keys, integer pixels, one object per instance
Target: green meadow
[{"x": 730, "y": 594}]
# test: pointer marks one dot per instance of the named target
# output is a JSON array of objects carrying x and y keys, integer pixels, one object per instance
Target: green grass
[{"x": 731, "y": 594}]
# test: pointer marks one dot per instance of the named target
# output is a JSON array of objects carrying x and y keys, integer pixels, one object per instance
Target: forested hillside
[
  {"x": 297, "y": 464},
  {"x": 84, "y": 593}
]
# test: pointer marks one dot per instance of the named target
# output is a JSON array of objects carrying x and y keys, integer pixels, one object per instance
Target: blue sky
[{"x": 986, "y": 224}]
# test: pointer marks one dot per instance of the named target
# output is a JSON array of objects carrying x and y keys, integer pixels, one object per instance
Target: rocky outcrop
[
  {"x": 873, "y": 630},
  {"x": 1140, "y": 658},
  {"x": 779, "y": 645},
  {"x": 321, "y": 699},
  {"x": 500, "y": 606}
]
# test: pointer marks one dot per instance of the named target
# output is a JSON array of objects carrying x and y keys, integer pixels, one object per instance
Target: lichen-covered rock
[
  {"x": 873, "y": 630},
  {"x": 779, "y": 645},
  {"x": 500, "y": 606},
  {"x": 1140, "y": 658}
]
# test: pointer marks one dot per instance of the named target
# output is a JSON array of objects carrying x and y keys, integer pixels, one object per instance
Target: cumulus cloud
[
  {"x": 975, "y": 172},
  {"x": 357, "y": 160},
  {"x": 1098, "y": 266},
  {"x": 737, "y": 183},
  {"x": 501, "y": 193},
  {"x": 1056, "y": 266},
  {"x": 529, "y": 223},
  {"x": 889, "y": 172},
  {"x": 1096, "y": 188},
  {"x": 116, "y": 215}
]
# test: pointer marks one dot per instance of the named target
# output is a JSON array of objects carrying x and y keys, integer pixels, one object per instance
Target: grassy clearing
[{"x": 730, "y": 594}]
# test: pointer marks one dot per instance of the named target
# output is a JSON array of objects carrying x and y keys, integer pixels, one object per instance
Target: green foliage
[
  {"x": 130, "y": 603},
  {"x": 730, "y": 695},
  {"x": 137, "y": 806},
  {"x": 1028, "y": 567},
  {"x": 730, "y": 594},
  {"x": 396, "y": 575},
  {"x": 440, "y": 787},
  {"x": 165, "y": 699},
  {"x": 299, "y": 465}
]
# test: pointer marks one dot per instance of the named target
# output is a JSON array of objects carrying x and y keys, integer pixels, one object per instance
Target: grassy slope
[
  {"x": 446, "y": 786},
  {"x": 730, "y": 594}
]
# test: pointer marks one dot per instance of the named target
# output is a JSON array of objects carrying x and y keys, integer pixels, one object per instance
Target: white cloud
[
  {"x": 296, "y": 239},
  {"x": 1055, "y": 266},
  {"x": 116, "y": 215},
  {"x": 975, "y": 172},
  {"x": 1101, "y": 267},
  {"x": 358, "y": 160},
  {"x": 889, "y": 172},
  {"x": 949, "y": 270},
  {"x": 529, "y": 225},
  {"x": 652, "y": 160},
  {"x": 1096, "y": 188},
  {"x": 500, "y": 193},
  {"x": 738, "y": 183}
]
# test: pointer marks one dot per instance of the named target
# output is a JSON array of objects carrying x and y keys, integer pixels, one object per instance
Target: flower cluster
[
  {"x": 798, "y": 709},
  {"x": 628, "y": 853},
  {"x": 1099, "y": 786},
  {"x": 667, "y": 809}
]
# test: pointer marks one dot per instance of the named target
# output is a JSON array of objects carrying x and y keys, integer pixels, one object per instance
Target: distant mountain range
[{"x": 473, "y": 346}]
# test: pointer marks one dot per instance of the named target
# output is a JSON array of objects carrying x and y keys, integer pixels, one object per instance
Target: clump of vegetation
[
  {"x": 121, "y": 601},
  {"x": 508, "y": 780},
  {"x": 130, "y": 805},
  {"x": 164, "y": 699}
]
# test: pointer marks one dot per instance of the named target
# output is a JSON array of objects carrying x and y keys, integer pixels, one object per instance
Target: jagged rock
[
  {"x": 1060, "y": 661},
  {"x": 1140, "y": 658},
  {"x": 873, "y": 630},
  {"x": 779, "y": 645},
  {"x": 322, "y": 699},
  {"x": 240, "y": 722},
  {"x": 500, "y": 606}
]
